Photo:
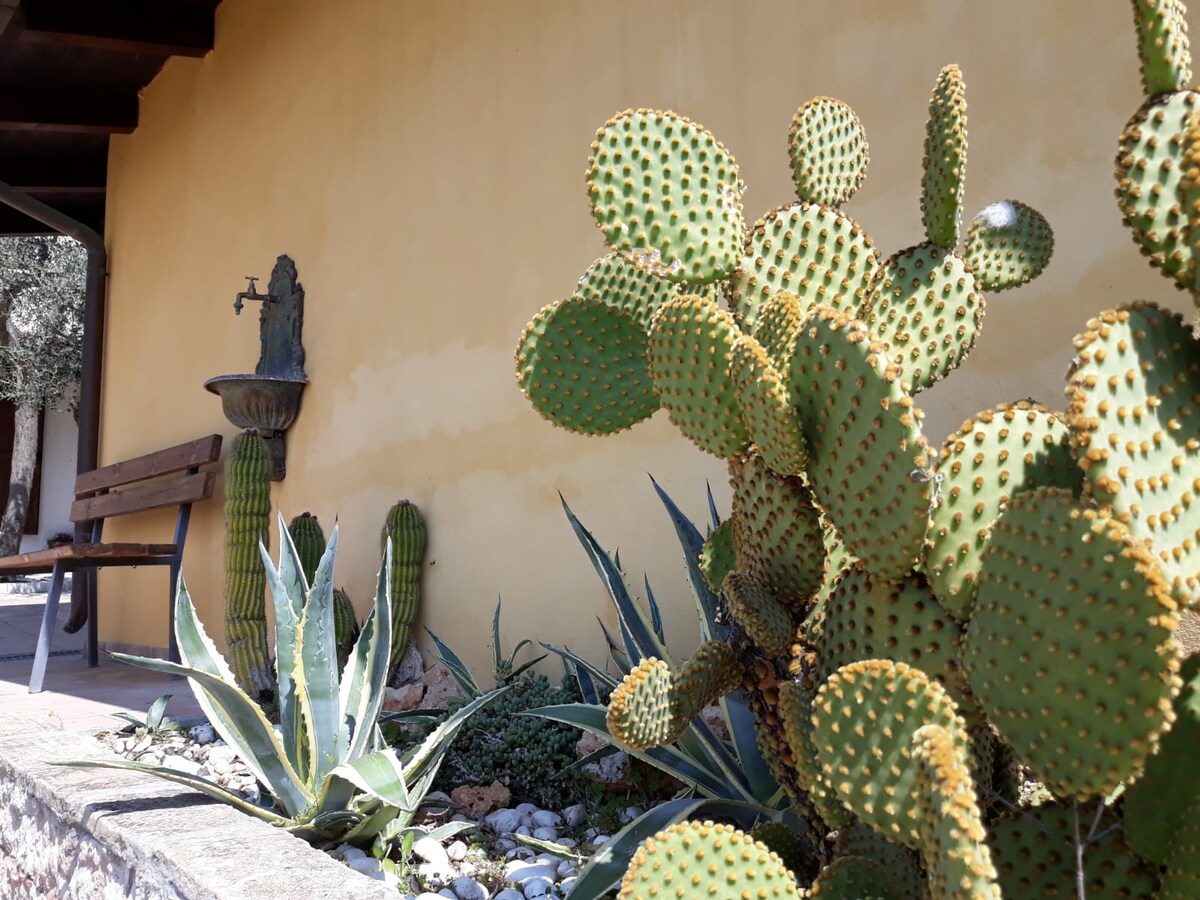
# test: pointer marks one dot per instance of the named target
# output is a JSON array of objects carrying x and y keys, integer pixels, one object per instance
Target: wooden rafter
[
  {"x": 90, "y": 213},
  {"x": 45, "y": 176},
  {"x": 83, "y": 112},
  {"x": 136, "y": 26}
]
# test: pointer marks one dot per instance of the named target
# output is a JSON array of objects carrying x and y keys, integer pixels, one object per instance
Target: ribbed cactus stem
[
  {"x": 406, "y": 527},
  {"x": 247, "y": 519},
  {"x": 345, "y": 626},
  {"x": 309, "y": 537}
]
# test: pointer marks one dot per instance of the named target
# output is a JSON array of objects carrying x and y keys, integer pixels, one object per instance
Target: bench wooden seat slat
[
  {"x": 165, "y": 462},
  {"x": 42, "y": 560},
  {"x": 133, "y": 486},
  {"x": 141, "y": 497}
]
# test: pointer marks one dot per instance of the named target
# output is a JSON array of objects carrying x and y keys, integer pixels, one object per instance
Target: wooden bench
[{"x": 135, "y": 485}]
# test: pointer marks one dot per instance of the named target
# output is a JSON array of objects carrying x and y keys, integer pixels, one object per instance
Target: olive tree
[{"x": 41, "y": 305}]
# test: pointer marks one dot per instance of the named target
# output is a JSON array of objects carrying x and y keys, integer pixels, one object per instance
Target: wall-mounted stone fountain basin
[{"x": 268, "y": 403}]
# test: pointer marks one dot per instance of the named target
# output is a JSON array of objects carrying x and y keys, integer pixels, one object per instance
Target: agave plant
[
  {"x": 329, "y": 776},
  {"x": 723, "y": 779}
]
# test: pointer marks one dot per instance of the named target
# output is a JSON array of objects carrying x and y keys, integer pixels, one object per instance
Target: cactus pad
[
  {"x": 652, "y": 706},
  {"x": 956, "y": 858},
  {"x": 908, "y": 881},
  {"x": 582, "y": 364},
  {"x": 667, "y": 195},
  {"x": 766, "y": 407},
  {"x": 869, "y": 618},
  {"x": 1181, "y": 880},
  {"x": 1150, "y": 173},
  {"x": 777, "y": 529},
  {"x": 779, "y": 318},
  {"x": 1163, "y": 45},
  {"x": 853, "y": 878},
  {"x": 711, "y": 672},
  {"x": 754, "y": 607},
  {"x": 614, "y": 280},
  {"x": 717, "y": 556},
  {"x": 690, "y": 344},
  {"x": 1034, "y": 854},
  {"x": 1008, "y": 244},
  {"x": 794, "y": 848},
  {"x": 1161, "y": 801},
  {"x": 815, "y": 252},
  {"x": 828, "y": 151},
  {"x": 640, "y": 711},
  {"x": 1069, "y": 602},
  {"x": 945, "y": 163},
  {"x": 1000, "y": 452},
  {"x": 864, "y": 442},
  {"x": 795, "y": 714},
  {"x": 1135, "y": 421},
  {"x": 923, "y": 304},
  {"x": 865, "y": 716},
  {"x": 701, "y": 859}
]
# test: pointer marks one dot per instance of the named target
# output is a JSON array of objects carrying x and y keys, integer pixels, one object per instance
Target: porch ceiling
[{"x": 70, "y": 73}]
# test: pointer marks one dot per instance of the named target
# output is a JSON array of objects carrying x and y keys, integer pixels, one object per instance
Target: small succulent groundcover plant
[{"x": 329, "y": 776}]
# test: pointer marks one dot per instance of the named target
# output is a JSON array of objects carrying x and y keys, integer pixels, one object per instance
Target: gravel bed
[{"x": 485, "y": 862}]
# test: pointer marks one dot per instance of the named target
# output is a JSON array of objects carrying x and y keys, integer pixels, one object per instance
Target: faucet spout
[{"x": 251, "y": 293}]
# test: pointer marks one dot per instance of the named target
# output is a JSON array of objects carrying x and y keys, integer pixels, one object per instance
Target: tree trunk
[{"x": 24, "y": 460}]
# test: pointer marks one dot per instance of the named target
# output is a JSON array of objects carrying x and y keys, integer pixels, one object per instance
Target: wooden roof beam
[
  {"x": 132, "y": 26},
  {"x": 46, "y": 175},
  {"x": 13, "y": 223},
  {"x": 81, "y": 112}
]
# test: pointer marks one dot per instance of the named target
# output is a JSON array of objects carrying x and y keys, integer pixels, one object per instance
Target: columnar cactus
[
  {"x": 309, "y": 539},
  {"x": 915, "y": 631},
  {"x": 247, "y": 522},
  {"x": 405, "y": 528}
]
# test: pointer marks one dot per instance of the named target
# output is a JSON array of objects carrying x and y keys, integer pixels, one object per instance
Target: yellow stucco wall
[{"x": 422, "y": 162}]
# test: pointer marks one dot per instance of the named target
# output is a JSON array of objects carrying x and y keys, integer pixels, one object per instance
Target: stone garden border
[{"x": 99, "y": 833}]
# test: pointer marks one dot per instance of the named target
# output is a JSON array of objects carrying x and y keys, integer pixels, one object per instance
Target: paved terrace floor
[{"x": 75, "y": 698}]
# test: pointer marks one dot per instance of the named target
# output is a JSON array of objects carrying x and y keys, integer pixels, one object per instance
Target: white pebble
[
  {"x": 537, "y": 887},
  {"x": 546, "y": 834}
]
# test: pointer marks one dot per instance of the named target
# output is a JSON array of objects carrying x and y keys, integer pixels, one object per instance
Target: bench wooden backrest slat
[
  {"x": 156, "y": 494},
  {"x": 165, "y": 462}
]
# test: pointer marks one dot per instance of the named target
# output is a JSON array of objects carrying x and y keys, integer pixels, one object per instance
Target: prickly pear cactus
[
  {"x": 405, "y": 529},
  {"x": 247, "y": 523},
  {"x": 917, "y": 635}
]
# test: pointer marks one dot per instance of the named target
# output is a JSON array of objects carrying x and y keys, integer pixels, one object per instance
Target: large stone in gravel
[
  {"x": 432, "y": 852},
  {"x": 503, "y": 821},
  {"x": 411, "y": 667},
  {"x": 544, "y": 818},
  {"x": 440, "y": 686},
  {"x": 469, "y": 889},
  {"x": 403, "y": 698},
  {"x": 477, "y": 802},
  {"x": 575, "y": 815},
  {"x": 612, "y": 771},
  {"x": 538, "y": 887},
  {"x": 519, "y": 871},
  {"x": 546, "y": 834},
  {"x": 509, "y": 894}
]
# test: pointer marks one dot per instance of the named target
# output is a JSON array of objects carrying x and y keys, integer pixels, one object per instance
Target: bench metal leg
[
  {"x": 93, "y": 629},
  {"x": 172, "y": 644},
  {"x": 49, "y": 615}
]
